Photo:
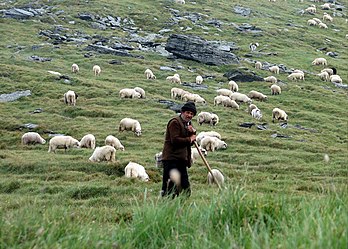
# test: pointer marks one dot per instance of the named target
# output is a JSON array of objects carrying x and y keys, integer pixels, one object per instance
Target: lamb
[
  {"x": 96, "y": 70},
  {"x": 233, "y": 86},
  {"x": 75, "y": 68},
  {"x": 251, "y": 107},
  {"x": 224, "y": 92},
  {"x": 88, "y": 141},
  {"x": 174, "y": 79},
  {"x": 104, "y": 153},
  {"x": 135, "y": 170},
  {"x": 32, "y": 138},
  {"x": 279, "y": 114},
  {"x": 212, "y": 144},
  {"x": 253, "y": 46},
  {"x": 256, "y": 113},
  {"x": 199, "y": 80},
  {"x": 218, "y": 176},
  {"x": 114, "y": 142},
  {"x": 193, "y": 97},
  {"x": 204, "y": 134},
  {"x": 319, "y": 61},
  {"x": 225, "y": 101},
  {"x": 327, "y": 17},
  {"x": 62, "y": 142},
  {"x": 271, "y": 79},
  {"x": 129, "y": 93},
  {"x": 70, "y": 98},
  {"x": 207, "y": 117},
  {"x": 240, "y": 97},
  {"x": 317, "y": 20},
  {"x": 177, "y": 93},
  {"x": 141, "y": 91},
  {"x": 322, "y": 25},
  {"x": 258, "y": 65},
  {"x": 275, "y": 89},
  {"x": 296, "y": 76},
  {"x": 149, "y": 74},
  {"x": 335, "y": 79},
  {"x": 312, "y": 22},
  {"x": 312, "y": 9},
  {"x": 274, "y": 69},
  {"x": 130, "y": 124},
  {"x": 195, "y": 154},
  {"x": 324, "y": 76},
  {"x": 257, "y": 95},
  {"x": 330, "y": 71}
]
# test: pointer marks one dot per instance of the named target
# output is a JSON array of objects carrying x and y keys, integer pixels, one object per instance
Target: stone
[{"x": 14, "y": 96}]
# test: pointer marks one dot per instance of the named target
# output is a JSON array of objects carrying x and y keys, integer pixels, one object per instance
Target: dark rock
[
  {"x": 340, "y": 85},
  {"x": 38, "y": 58},
  {"x": 197, "y": 49},
  {"x": 247, "y": 124},
  {"x": 38, "y": 110},
  {"x": 242, "y": 76},
  {"x": 18, "y": 13},
  {"x": 262, "y": 126},
  {"x": 86, "y": 16},
  {"x": 29, "y": 126},
  {"x": 245, "y": 27},
  {"x": 280, "y": 136},
  {"x": 332, "y": 54},
  {"x": 14, "y": 96},
  {"x": 195, "y": 86},
  {"x": 121, "y": 46},
  {"x": 115, "y": 62},
  {"x": 107, "y": 50},
  {"x": 164, "y": 68},
  {"x": 242, "y": 10},
  {"x": 297, "y": 126},
  {"x": 284, "y": 125},
  {"x": 171, "y": 105}
]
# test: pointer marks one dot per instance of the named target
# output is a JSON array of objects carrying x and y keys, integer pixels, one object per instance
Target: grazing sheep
[
  {"x": 141, "y": 91},
  {"x": 274, "y": 69},
  {"x": 253, "y": 46},
  {"x": 177, "y": 93},
  {"x": 96, "y": 70},
  {"x": 193, "y": 97},
  {"x": 88, "y": 141},
  {"x": 298, "y": 71},
  {"x": 134, "y": 170},
  {"x": 70, "y": 98},
  {"x": 199, "y": 80},
  {"x": 324, "y": 76},
  {"x": 224, "y": 92},
  {"x": 312, "y": 9},
  {"x": 180, "y": 1},
  {"x": 319, "y": 61},
  {"x": 75, "y": 68},
  {"x": 325, "y": 6},
  {"x": 104, "y": 153},
  {"x": 241, "y": 97},
  {"x": 158, "y": 160},
  {"x": 335, "y": 79},
  {"x": 212, "y": 144},
  {"x": 218, "y": 176},
  {"x": 207, "y": 117},
  {"x": 279, "y": 114},
  {"x": 32, "y": 138},
  {"x": 296, "y": 76},
  {"x": 114, "y": 142},
  {"x": 275, "y": 89},
  {"x": 251, "y": 107},
  {"x": 225, "y": 101},
  {"x": 204, "y": 134},
  {"x": 317, "y": 20},
  {"x": 257, "y": 95},
  {"x": 312, "y": 22},
  {"x": 174, "y": 79},
  {"x": 62, "y": 142},
  {"x": 149, "y": 74},
  {"x": 195, "y": 154},
  {"x": 330, "y": 71},
  {"x": 129, "y": 93},
  {"x": 258, "y": 65},
  {"x": 271, "y": 79},
  {"x": 233, "y": 86},
  {"x": 327, "y": 17},
  {"x": 322, "y": 25},
  {"x": 256, "y": 113},
  {"x": 130, "y": 124}
]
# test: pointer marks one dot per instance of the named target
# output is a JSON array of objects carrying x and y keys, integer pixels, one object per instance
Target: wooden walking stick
[{"x": 206, "y": 164}]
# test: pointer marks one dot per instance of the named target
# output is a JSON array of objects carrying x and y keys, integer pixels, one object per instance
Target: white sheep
[
  {"x": 114, "y": 142},
  {"x": 96, "y": 70},
  {"x": 257, "y": 95},
  {"x": 212, "y": 144},
  {"x": 204, "y": 134},
  {"x": 195, "y": 154},
  {"x": 174, "y": 79},
  {"x": 335, "y": 79},
  {"x": 193, "y": 97},
  {"x": 256, "y": 113},
  {"x": 312, "y": 9},
  {"x": 218, "y": 176},
  {"x": 70, "y": 98},
  {"x": 253, "y": 46},
  {"x": 129, "y": 93},
  {"x": 325, "y": 6},
  {"x": 298, "y": 71},
  {"x": 177, "y": 93},
  {"x": 158, "y": 159},
  {"x": 225, "y": 101},
  {"x": 279, "y": 114},
  {"x": 330, "y": 71},
  {"x": 129, "y": 124},
  {"x": 141, "y": 91},
  {"x": 180, "y": 1},
  {"x": 207, "y": 117},
  {"x": 104, "y": 153},
  {"x": 327, "y": 17},
  {"x": 319, "y": 61},
  {"x": 32, "y": 138},
  {"x": 324, "y": 76},
  {"x": 322, "y": 25},
  {"x": 296, "y": 76},
  {"x": 88, "y": 141},
  {"x": 62, "y": 142},
  {"x": 241, "y": 97},
  {"x": 312, "y": 22},
  {"x": 224, "y": 92},
  {"x": 275, "y": 89},
  {"x": 149, "y": 74},
  {"x": 271, "y": 79},
  {"x": 75, "y": 68},
  {"x": 199, "y": 80},
  {"x": 274, "y": 69},
  {"x": 233, "y": 86},
  {"x": 135, "y": 170},
  {"x": 251, "y": 107},
  {"x": 258, "y": 65},
  {"x": 317, "y": 20}
]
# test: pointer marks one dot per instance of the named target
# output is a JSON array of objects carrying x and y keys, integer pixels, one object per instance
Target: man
[{"x": 176, "y": 157}]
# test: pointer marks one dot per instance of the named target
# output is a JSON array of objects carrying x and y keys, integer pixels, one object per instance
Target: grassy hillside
[{"x": 278, "y": 193}]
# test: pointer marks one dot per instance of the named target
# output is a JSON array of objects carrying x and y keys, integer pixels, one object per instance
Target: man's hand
[
  {"x": 191, "y": 129},
  {"x": 193, "y": 138}
]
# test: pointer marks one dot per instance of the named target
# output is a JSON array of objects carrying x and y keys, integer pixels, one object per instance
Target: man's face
[{"x": 187, "y": 115}]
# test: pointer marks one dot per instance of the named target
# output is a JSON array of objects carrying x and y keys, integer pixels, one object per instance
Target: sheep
[
  {"x": 199, "y": 80},
  {"x": 324, "y": 76},
  {"x": 271, "y": 79},
  {"x": 218, "y": 176},
  {"x": 62, "y": 142},
  {"x": 330, "y": 71},
  {"x": 129, "y": 93},
  {"x": 195, "y": 154},
  {"x": 104, "y": 153},
  {"x": 225, "y": 101},
  {"x": 279, "y": 114},
  {"x": 325, "y": 6},
  {"x": 193, "y": 97},
  {"x": 241, "y": 97},
  {"x": 322, "y": 25},
  {"x": 296, "y": 76},
  {"x": 135, "y": 170},
  {"x": 312, "y": 22},
  {"x": 327, "y": 17},
  {"x": 32, "y": 138},
  {"x": 204, "y": 134},
  {"x": 114, "y": 142},
  {"x": 96, "y": 70},
  {"x": 274, "y": 69},
  {"x": 317, "y": 20},
  {"x": 212, "y": 144},
  {"x": 298, "y": 71},
  {"x": 130, "y": 124},
  {"x": 335, "y": 79},
  {"x": 158, "y": 160},
  {"x": 141, "y": 91},
  {"x": 319, "y": 61},
  {"x": 149, "y": 74},
  {"x": 88, "y": 141},
  {"x": 312, "y": 9},
  {"x": 251, "y": 107},
  {"x": 258, "y": 65},
  {"x": 207, "y": 117},
  {"x": 174, "y": 79},
  {"x": 224, "y": 92},
  {"x": 75, "y": 68},
  {"x": 256, "y": 113},
  {"x": 177, "y": 93},
  {"x": 70, "y": 98},
  {"x": 54, "y": 73},
  {"x": 180, "y": 1},
  {"x": 257, "y": 95},
  {"x": 253, "y": 46},
  {"x": 275, "y": 89},
  {"x": 233, "y": 86}
]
